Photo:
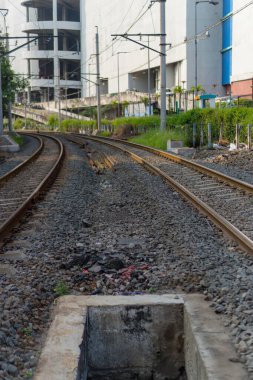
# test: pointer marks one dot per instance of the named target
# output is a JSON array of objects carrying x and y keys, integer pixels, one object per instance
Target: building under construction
[{"x": 54, "y": 60}]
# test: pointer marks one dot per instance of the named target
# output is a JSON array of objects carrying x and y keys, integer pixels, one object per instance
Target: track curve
[
  {"x": 228, "y": 202},
  {"x": 22, "y": 186}
]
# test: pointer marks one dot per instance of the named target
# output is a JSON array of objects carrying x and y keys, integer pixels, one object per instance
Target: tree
[
  {"x": 179, "y": 90},
  {"x": 200, "y": 89},
  {"x": 195, "y": 91},
  {"x": 11, "y": 82}
]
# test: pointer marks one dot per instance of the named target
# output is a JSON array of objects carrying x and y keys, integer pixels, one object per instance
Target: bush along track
[{"x": 178, "y": 126}]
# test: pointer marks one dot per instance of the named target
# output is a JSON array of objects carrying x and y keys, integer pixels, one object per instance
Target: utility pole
[
  {"x": 149, "y": 81},
  {"x": 9, "y": 84},
  {"x": 118, "y": 86},
  {"x": 163, "y": 64},
  {"x": 4, "y": 12},
  {"x": 118, "y": 54},
  {"x": 59, "y": 100},
  {"x": 98, "y": 83},
  {"x": 1, "y": 100}
]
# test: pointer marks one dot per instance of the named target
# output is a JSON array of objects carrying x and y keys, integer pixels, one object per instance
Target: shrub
[
  {"x": 132, "y": 126},
  {"x": 19, "y": 123}
]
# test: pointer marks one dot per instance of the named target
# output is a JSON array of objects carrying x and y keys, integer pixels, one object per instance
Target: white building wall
[
  {"x": 114, "y": 17},
  {"x": 208, "y": 49},
  {"x": 242, "y": 53}
]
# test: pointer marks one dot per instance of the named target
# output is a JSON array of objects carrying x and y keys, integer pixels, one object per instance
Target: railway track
[
  {"x": 228, "y": 202},
  {"x": 20, "y": 187}
]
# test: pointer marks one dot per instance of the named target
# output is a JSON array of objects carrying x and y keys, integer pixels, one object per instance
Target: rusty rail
[
  {"x": 241, "y": 239},
  {"x": 23, "y": 164},
  {"x": 183, "y": 161},
  {"x": 15, "y": 216}
]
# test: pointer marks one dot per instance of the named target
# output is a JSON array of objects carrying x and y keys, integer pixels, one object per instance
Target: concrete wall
[
  {"x": 242, "y": 88},
  {"x": 208, "y": 49},
  {"x": 121, "y": 333},
  {"x": 114, "y": 17},
  {"x": 135, "y": 339},
  {"x": 242, "y": 67}
]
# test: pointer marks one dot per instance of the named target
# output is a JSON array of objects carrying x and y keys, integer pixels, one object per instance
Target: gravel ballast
[
  {"x": 122, "y": 231},
  {"x": 9, "y": 161},
  {"x": 238, "y": 164}
]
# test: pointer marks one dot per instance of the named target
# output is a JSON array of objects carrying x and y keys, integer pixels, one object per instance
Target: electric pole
[
  {"x": 4, "y": 13},
  {"x": 149, "y": 81},
  {"x": 9, "y": 88},
  {"x": 163, "y": 64},
  {"x": 98, "y": 83},
  {"x": 59, "y": 97},
  {"x": 1, "y": 100}
]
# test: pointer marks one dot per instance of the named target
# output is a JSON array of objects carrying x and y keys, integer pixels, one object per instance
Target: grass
[
  {"x": 18, "y": 139},
  {"x": 61, "y": 288},
  {"x": 27, "y": 331},
  {"x": 28, "y": 374},
  {"x": 104, "y": 134},
  {"x": 158, "y": 139}
]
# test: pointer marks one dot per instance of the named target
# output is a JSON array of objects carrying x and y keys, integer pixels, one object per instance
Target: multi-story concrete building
[
  {"x": 224, "y": 59},
  {"x": 49, "y": 63},
  {"x": 53, "y": 62},
  {"x": 115, "y": 17}
]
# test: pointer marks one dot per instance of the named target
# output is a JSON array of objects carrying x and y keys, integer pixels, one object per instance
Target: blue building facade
[{"x": 227, "y": 35}]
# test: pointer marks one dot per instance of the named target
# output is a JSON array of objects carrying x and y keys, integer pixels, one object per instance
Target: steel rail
[
  {"x": 14, "y": 217},
  {"x": 183, "y": 161},
  {"x": 21, "y": 166},
  {"x": 241, "y": 239}
]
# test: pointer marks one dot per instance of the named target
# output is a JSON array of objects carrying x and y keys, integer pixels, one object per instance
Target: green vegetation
[
  {"x": 158, "y": 139},
  {"x": 145, "y": 130},
  {"x": 27, "y": 331},
  {"x": 53, "y": 121},
  {"x": 70, "y": 125},
  {"x": 61, "y": 288},
  {"x": 17, "y": 138},
  {"x": 19, "y": 124},
  {"x": 11, "y": 82},
  {"x": 28, "y": 374},
  {"x": 179, "y": 127},
  {"x": 104, "y": 134}
]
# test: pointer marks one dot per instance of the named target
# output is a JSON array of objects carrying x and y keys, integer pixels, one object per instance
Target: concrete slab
[
  {"x": 8, "y": 145},
  {"x": 185, "y": 152},
  {"x": 61, "y": 355},
  {"x": 94, "y": 328},
  {"x": 7, "y": 270},
  {"x": 175, "y": 144},
  {"x": 208, "y": 348},
  {"x": 13, "y": 256}
]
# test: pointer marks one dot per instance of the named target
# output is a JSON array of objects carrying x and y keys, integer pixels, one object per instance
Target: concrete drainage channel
[{"x": 137, "y": 337}]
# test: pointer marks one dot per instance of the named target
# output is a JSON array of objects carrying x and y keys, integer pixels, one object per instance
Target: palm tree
[
  {"x": 192, "y": 90},
  {"x": 200, "y": 88},
  {"x": 179, "y": 90},
  {"x": 195, "y": 91}
]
